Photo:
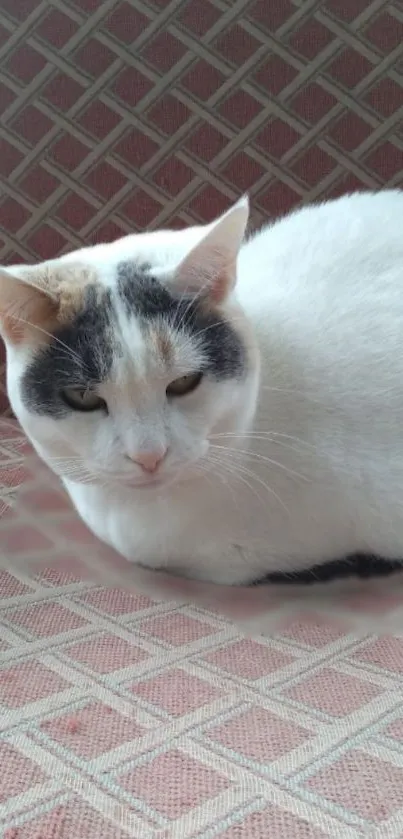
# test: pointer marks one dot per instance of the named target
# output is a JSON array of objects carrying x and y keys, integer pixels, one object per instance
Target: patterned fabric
[
  {"x": 117, "y": 115},
  {"x": 126, "y": 715},
  {"x": 122, "y": 715}
]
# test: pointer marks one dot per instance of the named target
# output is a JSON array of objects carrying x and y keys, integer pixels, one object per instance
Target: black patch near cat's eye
[
  {"x": 79, "y": 356},
  {"x": 145, "y": 297}
]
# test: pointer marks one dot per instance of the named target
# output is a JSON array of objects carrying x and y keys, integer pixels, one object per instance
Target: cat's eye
[
  {"x": 83, "y": 399},
  {"x": 184, "y": 385}
]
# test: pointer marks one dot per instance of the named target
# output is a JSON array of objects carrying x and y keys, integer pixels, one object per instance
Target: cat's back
[
  {"x": 324, "y": 290},
  {"x": 333, "y": 271},
  {"x": 334, "y": 245}
]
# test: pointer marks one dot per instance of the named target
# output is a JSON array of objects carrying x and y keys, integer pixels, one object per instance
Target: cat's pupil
[
  {"x": 184, "y": 385},
  {"x": 83, "y": 399}
]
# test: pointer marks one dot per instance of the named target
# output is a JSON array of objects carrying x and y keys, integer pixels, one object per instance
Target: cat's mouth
[
  {"x": 102, "y": 479},
  {"x": 146, "y": 485},
  {"x": 153, "y": 482},
  {"x": 131, "y": 481},
  {"x": 159, "y": 482}
]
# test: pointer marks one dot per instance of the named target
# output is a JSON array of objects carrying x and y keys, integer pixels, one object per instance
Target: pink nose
[{"x": 149, "y": 461}]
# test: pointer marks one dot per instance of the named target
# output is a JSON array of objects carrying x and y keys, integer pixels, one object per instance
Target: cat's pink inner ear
[
  {"x": 25, "y": 308},
  {"x": 210, "y": 267}
]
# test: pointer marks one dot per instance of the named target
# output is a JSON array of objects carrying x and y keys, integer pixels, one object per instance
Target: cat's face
[{"x": 125, "y": 370}]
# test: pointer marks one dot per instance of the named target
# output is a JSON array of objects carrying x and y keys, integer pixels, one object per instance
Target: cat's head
[{"x": 125, "y": 358}]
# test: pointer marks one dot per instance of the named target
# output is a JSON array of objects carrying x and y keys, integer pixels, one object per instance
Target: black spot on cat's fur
[
  {"x": 81, "y": 353},
  {"x": 145, "y": 297},
  {"x": 355, "y": 565},
  {"x": 141, "y": 294}
]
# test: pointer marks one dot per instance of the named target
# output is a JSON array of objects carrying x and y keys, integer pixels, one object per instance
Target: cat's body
[{"x": 300, "y": 461}]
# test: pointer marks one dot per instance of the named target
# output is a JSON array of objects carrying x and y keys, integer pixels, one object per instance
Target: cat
[{"x": 217, "y": 405}]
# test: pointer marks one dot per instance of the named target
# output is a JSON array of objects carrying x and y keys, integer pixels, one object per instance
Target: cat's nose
[{"x": 149, "y": 460}]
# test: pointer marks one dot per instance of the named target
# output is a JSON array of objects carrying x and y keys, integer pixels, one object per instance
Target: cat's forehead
[
  {"x": 136, "y": 316},
  {"x": 134, "y": 331},
  {"x": 159, "y": 329},
  {"x": 141, "y": 294},
  {"x": 134, "y": 300},
  {"x": 150, "y": 323}
]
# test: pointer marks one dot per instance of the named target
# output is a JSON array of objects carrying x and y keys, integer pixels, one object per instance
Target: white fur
[{"x": 322, "y": 473}]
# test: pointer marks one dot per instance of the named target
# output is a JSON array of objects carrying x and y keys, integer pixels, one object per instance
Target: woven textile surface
[
  {"x": 118, "y": 115},
  {"x": 125, "y": 715},
  {"x": 121, "y": 716}
]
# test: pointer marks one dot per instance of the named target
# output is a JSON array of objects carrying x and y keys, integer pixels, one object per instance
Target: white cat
[{"x": 217, "y": 407}]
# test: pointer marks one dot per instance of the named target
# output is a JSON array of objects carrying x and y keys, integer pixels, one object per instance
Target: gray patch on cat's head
[
  {"x": 141, "y": 294},
  {"x": 149, "y": 300},
  {"x": 79, "y": 354}
]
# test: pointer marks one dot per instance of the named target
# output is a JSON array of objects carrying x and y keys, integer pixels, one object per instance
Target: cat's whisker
[
  {"x": 201, "y": 332},
  {"x": 309, "y": 450},
  {"x": 292, "y": 391},
  {"x": 225, "y": 479},
  {"x": 217, "y": 324},
  {"x": 245, "y": 471},
  {"x": 66, "y": 459},
  {"x": 300, "y": 447},
  {"x": 216, "y": 473},
  {"x": 262, "y": 435},
  {"x": 193, "y": 298},
  {"x": 205, "y": 473},
  {"x": 87, "y": 480},
  {"x": 281, "y": 444},
  {"x": 71, "y": 468},
  {"x": 62, "y": 354},
  {"x": 257, "y": 456},
  {"x": 234, "y": 474},
  {"x": 265, "y": 486},
  {"x": 175, "y": 323},
  {"x": 69, "y": 351},
  {"x": 65, "y": 462},
  {"x": 193, "y": 337},
  {"x": 68, "y": 471}
]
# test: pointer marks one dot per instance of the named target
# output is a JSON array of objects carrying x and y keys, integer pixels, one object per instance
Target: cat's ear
[
  {"x": 35, "y": 300},
  {"x": 210, "y": 267},
  {"x": 27, "y": 303}
]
